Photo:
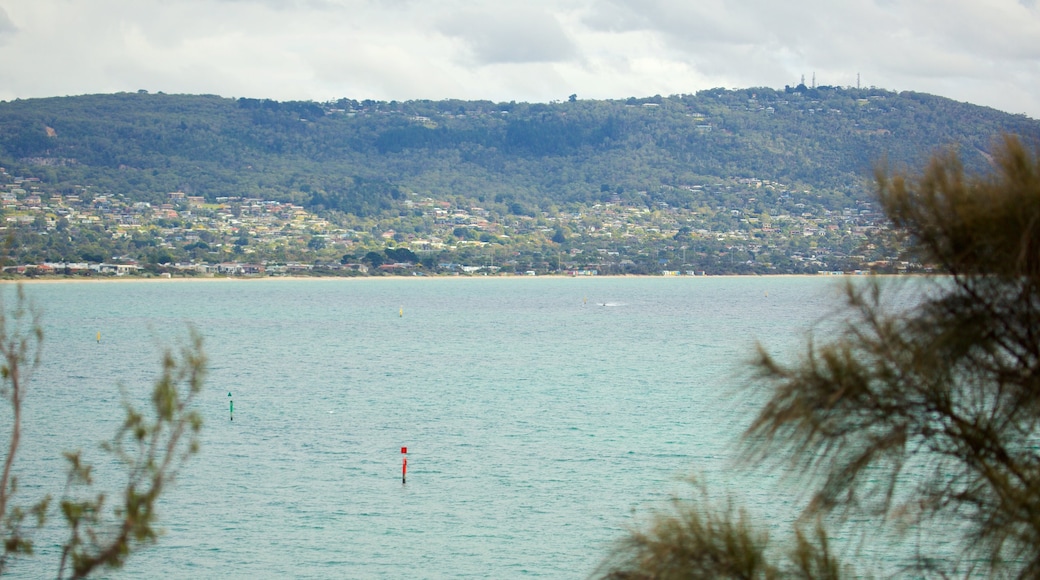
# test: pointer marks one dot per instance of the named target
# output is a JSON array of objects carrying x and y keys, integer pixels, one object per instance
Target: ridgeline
[{"x": 721, "y": 181}]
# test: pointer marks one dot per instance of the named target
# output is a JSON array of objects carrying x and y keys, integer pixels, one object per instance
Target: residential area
[{"x": 767, "y": 229}]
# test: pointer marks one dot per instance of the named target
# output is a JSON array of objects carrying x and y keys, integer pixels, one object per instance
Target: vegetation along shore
[{"x": 749, "y": 181}]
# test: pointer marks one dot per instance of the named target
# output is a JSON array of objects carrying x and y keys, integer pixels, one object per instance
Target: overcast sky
[{"x": 985, "y": 52}]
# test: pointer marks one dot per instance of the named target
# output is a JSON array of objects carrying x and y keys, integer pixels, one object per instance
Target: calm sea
[{"x": 542, "y": 416}]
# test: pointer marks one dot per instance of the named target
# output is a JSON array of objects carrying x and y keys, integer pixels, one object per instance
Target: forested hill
[{"x": 358, "y": 157}]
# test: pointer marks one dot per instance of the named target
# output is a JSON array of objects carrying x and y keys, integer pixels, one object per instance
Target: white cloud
[
  {"x": 504, "y": 35},
  {"x": 7, "y": 28},
  {"x": 982, "y": 51}
]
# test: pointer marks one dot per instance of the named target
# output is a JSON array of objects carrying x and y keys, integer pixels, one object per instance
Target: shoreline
[{"x": 240, "y": 279}]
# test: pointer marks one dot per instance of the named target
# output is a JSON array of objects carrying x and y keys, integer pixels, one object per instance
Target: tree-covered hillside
[
  {"x": 720, "y": 182},
  {"x": 519, "y": 158}
]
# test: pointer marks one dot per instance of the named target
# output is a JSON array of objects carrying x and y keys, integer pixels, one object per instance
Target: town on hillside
[{"x": 768, "y": 229}]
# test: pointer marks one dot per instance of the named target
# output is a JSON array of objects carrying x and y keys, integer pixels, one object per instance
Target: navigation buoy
[
  {"x": 231, "y": 409},
  {"x": 99, "y": 337},
  {"x": 404, "y": 465},
  {"x": 401, "y": 312}
]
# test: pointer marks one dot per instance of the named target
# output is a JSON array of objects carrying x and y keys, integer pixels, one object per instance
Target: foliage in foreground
[
  {"x": 699, "y": 540},
  {"x": 151, "y": 447},
  {"x": 914, "y": 418}
]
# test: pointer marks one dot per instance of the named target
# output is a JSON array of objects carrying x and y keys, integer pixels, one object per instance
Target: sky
[{"x": 985, "y": 52}]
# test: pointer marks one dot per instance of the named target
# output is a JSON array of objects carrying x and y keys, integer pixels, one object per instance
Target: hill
[{"x": 357, "y": 163}]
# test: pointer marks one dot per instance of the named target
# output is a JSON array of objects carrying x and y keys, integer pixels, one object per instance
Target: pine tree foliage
[
  {"x": 921, "y": 414},
  {"x": 932, "y": 413},
  {"x": 698, "y": 539}
]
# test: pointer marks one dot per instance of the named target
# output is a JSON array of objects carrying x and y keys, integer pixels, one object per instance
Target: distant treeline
[{"x": 358, "y": 156}]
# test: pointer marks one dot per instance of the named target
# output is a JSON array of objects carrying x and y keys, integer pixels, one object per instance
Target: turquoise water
[{"x": 539, "y": 414}]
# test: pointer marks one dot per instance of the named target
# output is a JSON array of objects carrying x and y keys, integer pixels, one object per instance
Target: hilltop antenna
[
  {"x": 814, "y": 79},
  {"x": 803, "y": 80},
  {"x": 857, "y": 81}
]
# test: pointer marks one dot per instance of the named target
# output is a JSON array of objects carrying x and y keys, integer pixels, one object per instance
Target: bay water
[{"x": 542, "y": 416}]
